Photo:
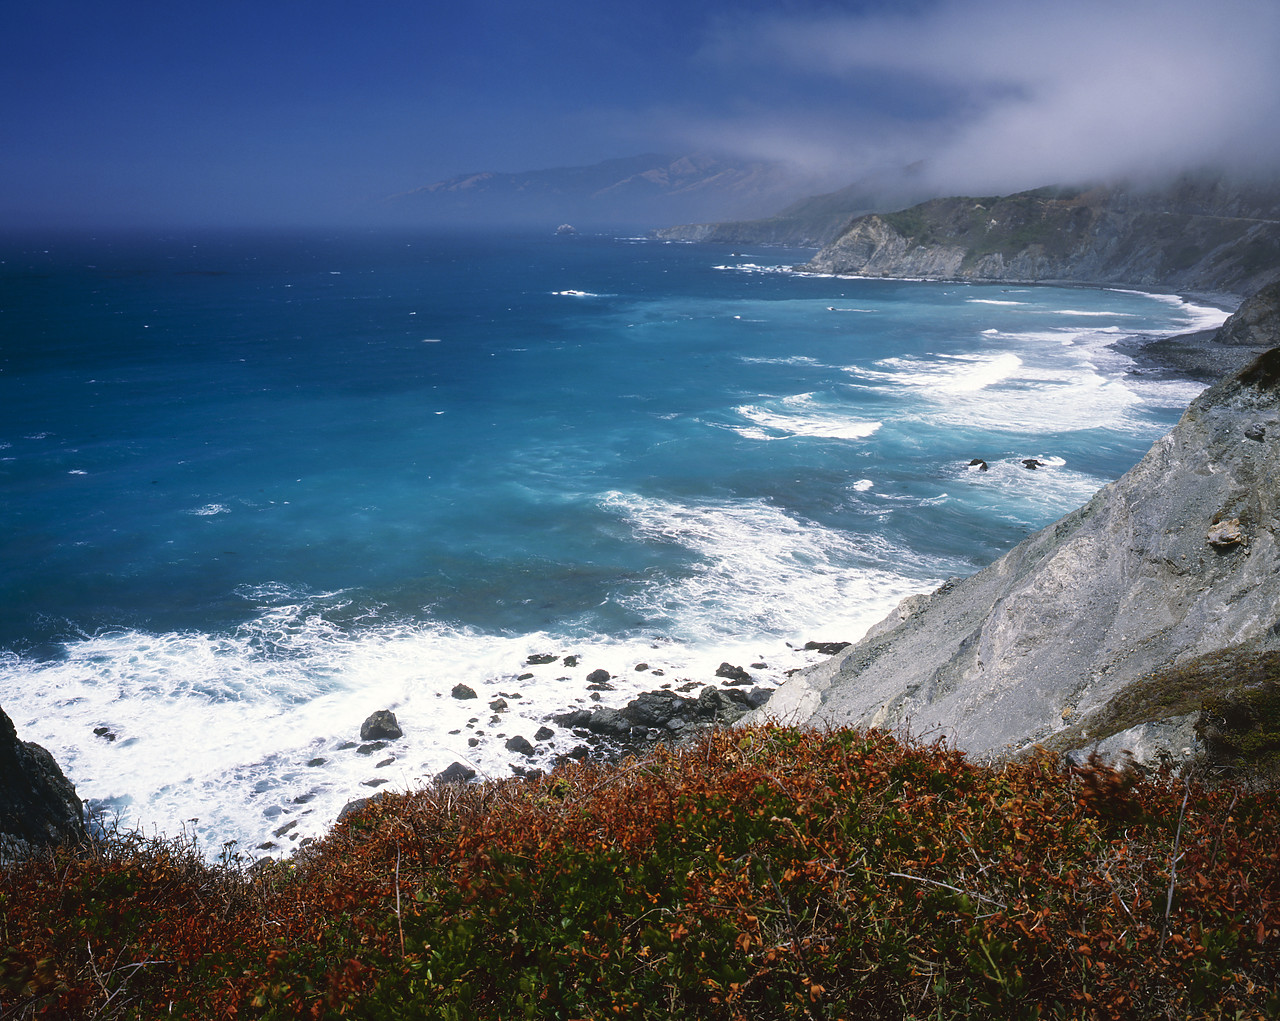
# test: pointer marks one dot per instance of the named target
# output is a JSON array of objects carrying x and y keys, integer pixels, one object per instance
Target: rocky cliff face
[
  {"x": 38, "y": 805},
  {"x": 1202, "y": 235},
  {"x": 1176, "y": 559}
]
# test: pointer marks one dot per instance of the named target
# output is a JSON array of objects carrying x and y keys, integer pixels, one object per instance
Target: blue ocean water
[{"x": 254, "y": 487}]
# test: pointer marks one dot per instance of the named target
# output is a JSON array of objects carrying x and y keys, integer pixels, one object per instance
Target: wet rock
[
  {"x": 104, "y": 733},
  {"x": 355, "y": 805},
  {"x": 598, "y": 677},
  {"x": 642, "y": 667},
  {"x": 369, "y": 749},
  {"x": 1032, "y": 463},
  {"x": 318, "y": 761},
  {"x": 723, "y": 705},
  {"x": 573, "y": 718},
  {"x": 463, "y": 691},
  {"x": 498, "y": 705},
  {"x": 979, "y": 463},
  {"x": 291, "y": 824},
  {"x": 541, "y": 659},
  {"x": 377, "y": 781},
  {"x": 826, "y": 648},
  {"x": 381, "y": 725},
  {"x": 519, "y": 744},
  {"x": 571, "y": 661},
  {"x": 455, "y": 772},
  {"x": 385, "y": 763},
  {"x": 544, "y": 734},
  {"x": 734, "y": 674},
  {"x": 757, "y": 697},
  {"x": 38, "y": 804}
]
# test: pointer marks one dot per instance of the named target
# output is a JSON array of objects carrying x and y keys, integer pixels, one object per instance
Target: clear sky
[{"x": 279, "y": 111}]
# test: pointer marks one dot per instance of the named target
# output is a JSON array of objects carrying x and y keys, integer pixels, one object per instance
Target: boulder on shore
[
  {"x": 381, "y": 726},
  {"x": 38, "y": 804}
]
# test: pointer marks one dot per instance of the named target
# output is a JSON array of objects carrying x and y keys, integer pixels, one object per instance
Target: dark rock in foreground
[
  {"x": 38, "y": 804},
  {"x": 455, "y": 772},
  {"x": 661, "y": 715}
]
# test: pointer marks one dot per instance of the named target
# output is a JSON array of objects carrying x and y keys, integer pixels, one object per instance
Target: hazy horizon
[{"x": 244, "y": 115}]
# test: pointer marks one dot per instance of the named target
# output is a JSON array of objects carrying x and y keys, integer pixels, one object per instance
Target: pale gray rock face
[{"x": 1058, "y": 626}]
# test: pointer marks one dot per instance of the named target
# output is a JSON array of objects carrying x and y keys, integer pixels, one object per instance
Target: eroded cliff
[
  {"x": 1176, "y": 559},
  {"x": 1202, "y": 235}
]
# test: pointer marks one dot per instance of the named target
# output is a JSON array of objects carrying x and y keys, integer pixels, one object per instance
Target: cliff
[
  {"x": 38, "y": 805},
  {"x": 1178, "y": 559},
  {"x": 1198, "y": 234}
]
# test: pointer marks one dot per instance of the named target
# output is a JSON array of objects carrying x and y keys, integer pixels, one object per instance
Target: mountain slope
[
  {"x": 810, "y": 222},
  {"x": 644, "y": 189},
  {"x": 1200, "y": 233},
  {"x": 1177, "y": 559}
]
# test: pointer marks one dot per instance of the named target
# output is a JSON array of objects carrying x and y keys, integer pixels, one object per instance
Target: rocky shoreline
[{"x": 1207, "y": 355}]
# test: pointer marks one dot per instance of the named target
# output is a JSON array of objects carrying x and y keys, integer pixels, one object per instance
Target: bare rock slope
[{"x": 1176, "y": 559}]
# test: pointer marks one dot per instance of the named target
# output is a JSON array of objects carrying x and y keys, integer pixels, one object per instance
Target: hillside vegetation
[{"x": 763, "y": 873}]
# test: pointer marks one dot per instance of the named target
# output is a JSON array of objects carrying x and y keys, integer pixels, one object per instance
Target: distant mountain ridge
[
  {"x": 813, "y": 221},
  {"x": 640, "y": 190}
]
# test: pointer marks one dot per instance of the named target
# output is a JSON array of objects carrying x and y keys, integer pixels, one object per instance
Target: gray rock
[
  {"x": 381, "y": 725},
  {"x": 455, "y": 772},
  {"x": 519, "y": 744},
  {"x": 38, "y": 804},
  {"x": 463, "y": 691},
  {"x": 734, "y": 674},
  {"x": 1066, "y": 620}
]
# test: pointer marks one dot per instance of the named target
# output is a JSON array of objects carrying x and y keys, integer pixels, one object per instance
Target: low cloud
[{"x": 995, "y": 94}]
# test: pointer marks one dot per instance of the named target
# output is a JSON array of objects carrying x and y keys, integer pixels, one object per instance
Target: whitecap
[
  {"x": 210, "y": 509},
  {"x": 991, "y": 301},
  {"x": 801, "y": 415}
]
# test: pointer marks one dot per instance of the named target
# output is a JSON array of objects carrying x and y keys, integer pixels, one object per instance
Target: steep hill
[
  {"x": 810, "y": 222},
  {"x": 1198, "y": 234},
  {"x": 1177, "y": 559}
]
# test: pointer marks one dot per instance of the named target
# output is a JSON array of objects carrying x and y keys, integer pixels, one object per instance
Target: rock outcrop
[
  {"x": 1176, "y": 559},
  {"x": 38, "y": 804},
  {"x": 1201, "y": 234}
]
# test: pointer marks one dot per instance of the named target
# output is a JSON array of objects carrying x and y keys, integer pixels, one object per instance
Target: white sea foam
[
  {"x": 802, "y": 415},
  {"x": 862, "y": 485},
  {"x": 752, "y": 267},
  {"x": 950, "y": 374},
  {"x": 762, "y": 571},
  {"x": 789, "y": 360},
  {"x": 1198, "y": 317},
  {"x": 1085, "y": 312},
  {"x": 991, "y": 301},
  {"x": 254, "y": 734},
  {"x": 210, "y": 509},
  {"x": 577, "y": 294}
]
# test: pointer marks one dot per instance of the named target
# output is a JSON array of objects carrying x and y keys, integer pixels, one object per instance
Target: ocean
[{"x": 255, "y": 487}]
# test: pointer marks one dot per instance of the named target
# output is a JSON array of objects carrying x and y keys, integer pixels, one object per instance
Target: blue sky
[{"x": 279, "y": 111}]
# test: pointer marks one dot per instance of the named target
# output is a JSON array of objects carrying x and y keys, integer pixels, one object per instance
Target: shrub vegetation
[{"x": 762, "y": 873}]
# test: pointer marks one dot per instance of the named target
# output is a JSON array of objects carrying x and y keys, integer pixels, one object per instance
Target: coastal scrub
[{"x": 762, "y": 873}]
